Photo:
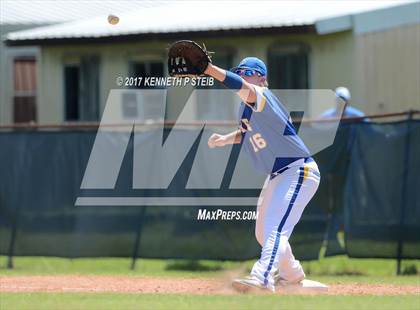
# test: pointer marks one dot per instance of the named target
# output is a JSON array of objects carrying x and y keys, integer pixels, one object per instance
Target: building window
[
  {"x": 81, "y": 89},
  {"x": 288, "y": 66},
  {"x": 144, "y": 69},
  {"x": 215, "y": 107},
  {"x": 24, "y": 95},
  {"x": 143, "y": 106},
  {"x": 71, "y": 78}
]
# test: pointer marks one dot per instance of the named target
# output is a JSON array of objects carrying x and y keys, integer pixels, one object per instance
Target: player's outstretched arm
[
  {"x": 217, "y": 140},
  {"x": 233, "y": 81}
]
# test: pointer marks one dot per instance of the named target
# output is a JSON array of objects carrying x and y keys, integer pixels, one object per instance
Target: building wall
[
  {"x": 388, "y": 69},
  {"x": 381, "y": 69},
  {"x": 330, "y": 63}
]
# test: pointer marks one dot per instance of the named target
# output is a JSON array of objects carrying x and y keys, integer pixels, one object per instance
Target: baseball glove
[{"x": 187, "y": 58}]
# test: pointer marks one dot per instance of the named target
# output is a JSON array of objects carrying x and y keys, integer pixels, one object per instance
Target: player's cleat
[
  {"x": 249, "y": 284},
  {"x": 279, "y": 281}
]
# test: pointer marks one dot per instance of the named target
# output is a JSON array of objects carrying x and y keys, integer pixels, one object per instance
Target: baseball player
[
  {"x": 344, "y": 94},
  {"x": 270, "y": 140}
]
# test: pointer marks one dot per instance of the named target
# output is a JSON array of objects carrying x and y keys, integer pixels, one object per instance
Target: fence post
[
  {"x": 404, "y": 192},
  {"x": 12, "y": 240},
  {"x": 330, "y": 207},
  {"x": 138, "y": 237}
]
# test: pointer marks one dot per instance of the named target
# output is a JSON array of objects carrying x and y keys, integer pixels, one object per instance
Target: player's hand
[{"x": 216, "y": 140}]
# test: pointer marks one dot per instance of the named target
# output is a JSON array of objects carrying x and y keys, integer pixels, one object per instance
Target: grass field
[
  {"x": 328, "y": 270},
  {"x": 147, "y": 301}
]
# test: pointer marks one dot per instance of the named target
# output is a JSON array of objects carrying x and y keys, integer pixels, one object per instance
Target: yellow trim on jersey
[
  {"x": 305, "y": 172},
  {"x": 260, "y": 100},
  {"x": 262, "y": 104}
]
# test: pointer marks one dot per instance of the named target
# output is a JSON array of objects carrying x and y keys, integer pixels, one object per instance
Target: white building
[{"x": 372, "y": 47}]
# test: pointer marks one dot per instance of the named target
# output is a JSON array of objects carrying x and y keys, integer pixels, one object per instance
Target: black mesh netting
[{"x": 367, "y": 203}]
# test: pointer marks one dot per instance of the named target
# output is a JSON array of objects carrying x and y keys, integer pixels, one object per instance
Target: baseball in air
[{"x": 113, "y": 20}]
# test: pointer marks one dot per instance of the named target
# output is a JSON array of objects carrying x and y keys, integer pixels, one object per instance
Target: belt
[{"x": 280, "y": 171}]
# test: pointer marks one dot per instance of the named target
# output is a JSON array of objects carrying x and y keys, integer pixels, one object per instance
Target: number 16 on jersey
[{"x": 257, "y": 142}]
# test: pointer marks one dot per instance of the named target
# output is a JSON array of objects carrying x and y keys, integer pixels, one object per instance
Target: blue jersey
[{"x": 268, "y": 136}]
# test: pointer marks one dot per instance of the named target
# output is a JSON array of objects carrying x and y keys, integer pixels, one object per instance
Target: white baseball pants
[{"x": 280, "y": 207}]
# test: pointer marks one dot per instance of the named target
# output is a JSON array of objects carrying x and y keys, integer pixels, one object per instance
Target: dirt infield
[{"x": 128, "y": 284}]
